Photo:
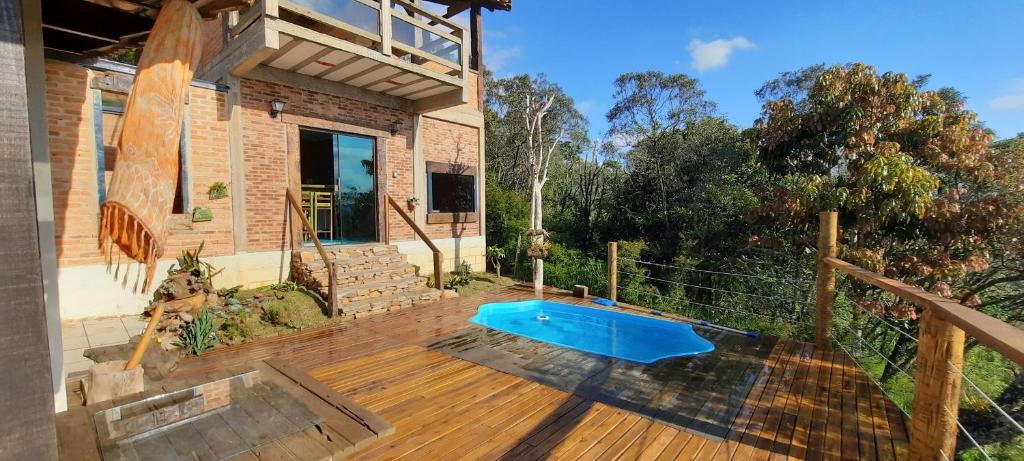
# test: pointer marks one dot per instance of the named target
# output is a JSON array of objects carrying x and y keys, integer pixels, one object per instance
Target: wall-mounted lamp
[
  {"x": 396, "y": 126},
  {"x": 276, "y": 107}
]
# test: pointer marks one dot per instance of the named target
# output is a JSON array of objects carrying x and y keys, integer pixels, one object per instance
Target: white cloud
[
  {"x": 715, "y": 54},
  {"x": 496, "y": 59},
  {"x": 1012, "y": 100},
  {"x": 585, "y": 106}
]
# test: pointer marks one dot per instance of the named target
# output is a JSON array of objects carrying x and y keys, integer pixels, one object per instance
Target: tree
[
  {"x": 922, "y": 195},
  {"x": 507, "y": 150},
  {"x": 540, "y": 147},
  {"x": 649, "y": 107}
]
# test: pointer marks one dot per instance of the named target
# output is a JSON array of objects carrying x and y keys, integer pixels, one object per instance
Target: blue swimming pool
[{"x": 599, "y": 331}]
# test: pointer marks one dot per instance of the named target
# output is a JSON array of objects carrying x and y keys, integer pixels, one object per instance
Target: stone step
[
  {"x": 342, "y": 265},
  {"x": 346, "y": 279},
  {"x": 403, "y": 300},
  {"x": 353, "y": 251},
  {"x": 361, "y": 292}
]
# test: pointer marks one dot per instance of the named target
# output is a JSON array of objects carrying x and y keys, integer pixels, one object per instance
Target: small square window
[{"x": 452, "y": 193}]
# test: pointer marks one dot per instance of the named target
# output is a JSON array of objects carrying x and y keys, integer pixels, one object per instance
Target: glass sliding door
[
  {"x": 357, "y": 198},
  {"x": 339, "y": 192}
]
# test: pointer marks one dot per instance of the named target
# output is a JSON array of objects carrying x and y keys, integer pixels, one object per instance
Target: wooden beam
[
  {"x": 825, "y": 287},
  {"x": 476, "y": 38},
  {"x": 296, "y": 80},
  {"x": 440, "y": 101},
  {"x": 352, "y": 48},
  {"x": 996, "y": 334},
  {"x": 385, "y": 28},
  {"x": 28, "y": 430},
  {"x": 244, "y": 53},
  {"x": 236, "y": 162}
]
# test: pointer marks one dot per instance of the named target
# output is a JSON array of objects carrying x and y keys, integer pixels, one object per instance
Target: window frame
[
  {"x": 184, "y": 149},
  {"x": 441, "y": 217}
]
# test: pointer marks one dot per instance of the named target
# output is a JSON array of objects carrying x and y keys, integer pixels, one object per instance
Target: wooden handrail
[
  {"x": 940, "y": 347},
  {"x": 332, "y": 303},
  {"x": 438, "y": 256},
  {"x": 990, "y": 331}
]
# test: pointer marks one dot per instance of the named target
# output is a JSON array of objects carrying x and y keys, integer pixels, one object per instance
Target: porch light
[
  {"x": 276, "y": 107},
  {"x": 396, "y": 126}
]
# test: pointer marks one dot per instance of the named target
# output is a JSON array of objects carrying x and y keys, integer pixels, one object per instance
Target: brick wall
[
  {"x": 74, "y": 164},
  {"x": 266, "y": 155},
  {"x": 449, "y": 142}
]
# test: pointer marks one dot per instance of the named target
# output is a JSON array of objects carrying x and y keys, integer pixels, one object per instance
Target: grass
[
  {"x": 484, "y": 281},
  {"x": 280, "y": 309}
]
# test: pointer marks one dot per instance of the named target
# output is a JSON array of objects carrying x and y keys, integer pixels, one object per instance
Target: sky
[{"x": 733, "y": 47}]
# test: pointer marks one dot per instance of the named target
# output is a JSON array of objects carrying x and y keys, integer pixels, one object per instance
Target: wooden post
[
  {"x": 825, "y": 289},
  {"x": 438, "y": 272},
  {"x": 613, "y": 271},
  {"x": 140, "y": 349},
  {"x": 940, "y": 357},
  {"x": 385, "y": 28}
]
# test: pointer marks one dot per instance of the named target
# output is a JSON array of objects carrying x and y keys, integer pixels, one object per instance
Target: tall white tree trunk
[{"x": 536, "y": 219}]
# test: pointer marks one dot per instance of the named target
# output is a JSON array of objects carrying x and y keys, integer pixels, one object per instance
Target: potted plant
[
  {"x": 218, "y": 190},
  {"x": 414, "y": 202}
]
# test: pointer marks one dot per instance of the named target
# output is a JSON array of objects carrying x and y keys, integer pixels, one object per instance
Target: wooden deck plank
[{"x": 792, "y": 403}]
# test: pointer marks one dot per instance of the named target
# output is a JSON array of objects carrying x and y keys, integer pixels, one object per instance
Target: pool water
[{"x": 611, "y": 333}]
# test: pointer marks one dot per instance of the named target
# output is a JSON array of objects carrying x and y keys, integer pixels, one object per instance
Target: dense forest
[{"x": 719, "y": 222}]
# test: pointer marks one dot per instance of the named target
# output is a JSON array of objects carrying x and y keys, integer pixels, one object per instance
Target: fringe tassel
[
  {"x": 121, "y": 232},
  {"x": 138, "y": 274}
]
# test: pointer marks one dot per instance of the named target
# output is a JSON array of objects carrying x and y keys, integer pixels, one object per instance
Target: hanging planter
[
  {"x": 413, "y": 202},
  {"x": 538, "y": 251},
  {"x": 218, "y": 190}
]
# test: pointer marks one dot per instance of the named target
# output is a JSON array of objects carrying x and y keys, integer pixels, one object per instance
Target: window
[
  {"x": 111, "y": 111},
  {"x": 451, "y": 193}
]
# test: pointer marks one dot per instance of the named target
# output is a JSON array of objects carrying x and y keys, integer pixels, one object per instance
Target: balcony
[{"x": 397, "y": 49}]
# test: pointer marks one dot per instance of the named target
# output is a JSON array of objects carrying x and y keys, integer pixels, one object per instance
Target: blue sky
[{"x": 733, "y": 47}]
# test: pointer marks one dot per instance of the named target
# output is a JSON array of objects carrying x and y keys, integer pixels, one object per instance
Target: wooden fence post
[
  {"x": 940, "y": 357},
  {"x": 825, "y": 287},
  {"x": 613, "y": 271}
]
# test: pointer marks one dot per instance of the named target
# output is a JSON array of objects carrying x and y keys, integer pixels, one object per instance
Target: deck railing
[
  {"x": 938, "y": 373},
  {"x": 296, "y": 206},
  {"x": 940, "y": 344},
  {"x": 438, "y": 256},
  {"x": 401, "y": 28}
]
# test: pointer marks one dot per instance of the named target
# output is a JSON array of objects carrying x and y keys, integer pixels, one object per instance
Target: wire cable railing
[
  {"x": 777, "y": 301},
  {"x": 971, "y": 384},
  {"x": 865, "y": 337}
]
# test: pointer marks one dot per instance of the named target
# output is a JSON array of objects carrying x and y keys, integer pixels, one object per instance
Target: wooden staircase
[{"x": 369, "y": 278}]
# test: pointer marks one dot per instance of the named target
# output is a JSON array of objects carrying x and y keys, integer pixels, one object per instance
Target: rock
[
  {"x": 190, "y": 304},
  {"x": 185, "y": 317},
  {"x": 157, "y": 361},
  {"x": 446, "y": 294},
  {"x": 214, "y": 300},
  {"x": 257, "y": 295}
]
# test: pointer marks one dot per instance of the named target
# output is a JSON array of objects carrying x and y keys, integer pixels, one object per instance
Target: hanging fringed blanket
[{"x": 141, "y": 194}]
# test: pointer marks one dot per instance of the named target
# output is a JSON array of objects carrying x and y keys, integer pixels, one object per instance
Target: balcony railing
[{"x": 396, "y": 47}]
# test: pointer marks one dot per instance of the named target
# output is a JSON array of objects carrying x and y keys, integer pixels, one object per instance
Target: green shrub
[
  {"x": 459, "y": 277},
  {"x": 229, "y": 292},
  {"x": 272, "y": 314},
  {"x": 198, "y": 336},
  {"x": 238, "y": 329}
]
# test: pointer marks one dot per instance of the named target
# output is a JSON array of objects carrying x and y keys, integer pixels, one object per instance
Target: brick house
[{"x": 343, "y": 102}]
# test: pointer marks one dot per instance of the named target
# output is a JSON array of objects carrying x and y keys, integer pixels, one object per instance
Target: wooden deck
[{"x": 802, "y": 403}]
